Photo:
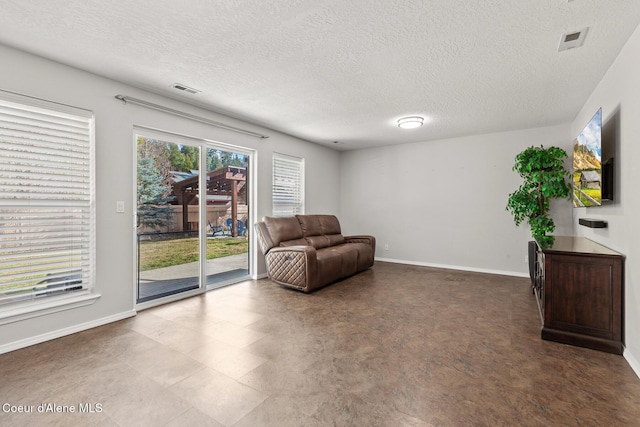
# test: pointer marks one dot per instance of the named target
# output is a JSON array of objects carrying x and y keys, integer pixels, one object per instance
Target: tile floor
[{"x": 396, "y": 345}]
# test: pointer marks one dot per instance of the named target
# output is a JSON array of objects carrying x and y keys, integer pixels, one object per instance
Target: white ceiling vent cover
[
  {"x": 572, "y": 39},
  {"x": 185, "y": 88}
]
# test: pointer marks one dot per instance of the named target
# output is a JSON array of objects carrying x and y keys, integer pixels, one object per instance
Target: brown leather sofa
[{"x": 306, "y": 252}]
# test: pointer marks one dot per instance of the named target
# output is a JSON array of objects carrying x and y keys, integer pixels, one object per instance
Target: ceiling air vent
[
  {"x": 185, "y": 88},
  {"x": 572, "y": 39}
]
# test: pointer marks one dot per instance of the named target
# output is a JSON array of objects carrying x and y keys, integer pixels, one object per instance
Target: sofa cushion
[
  {"x": 329, "y": 266},
  {"x": 320, "y": 231},
  {"x": 318, "y": 242},
  {"x": 310, "y": 225},
  {"x": 295, "y": 242},
  {"x": 349, "y": 256},
  {"x": 335, "y": 239},
  {"x": 282, "y": 229},
  {"x": 329, "y": 224},
  {"x": 365, "y": 255}
]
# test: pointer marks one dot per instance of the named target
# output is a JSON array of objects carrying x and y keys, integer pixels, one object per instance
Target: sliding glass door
[
  {"x": 167, "y": 218},
  {"x": 191, "y": 228},
  {"x": 227, "y": 215}
]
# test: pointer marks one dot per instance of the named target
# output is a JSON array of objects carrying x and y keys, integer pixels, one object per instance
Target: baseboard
[
  {"x": 16, "y": 345},
  {"x": 455, "y": 267},
  {"x": 260, "y": 276},
  {"x": 632, "y": 361}
]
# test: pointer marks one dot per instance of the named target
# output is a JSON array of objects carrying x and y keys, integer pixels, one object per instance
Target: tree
[
  {"x": 225, "y": 158},
  {"x": 238, "y": 160},
  {"x": 190, "y": 158},
  {"x": 176, "y": 157},
  {"x": 213, "y": 159},
  {"x": 153, "y": 208},
  {"x": 160, "y": 153},
  {"x": 545, "y": 177}
]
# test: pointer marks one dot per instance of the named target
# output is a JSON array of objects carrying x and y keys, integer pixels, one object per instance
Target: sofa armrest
[
  {"x": 294, "y": 266},
  {"x": 264, "y": 239},
  {"x": 370, "y": 240}
]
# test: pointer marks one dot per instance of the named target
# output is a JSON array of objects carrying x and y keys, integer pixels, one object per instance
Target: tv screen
[{"x": 587, "y": 164}]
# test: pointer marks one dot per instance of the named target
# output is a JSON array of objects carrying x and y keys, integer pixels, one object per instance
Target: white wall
[
  {"x": 34, "y": 76},
  {"x": 442, "y": 203},
  {"x": 619, "y": 96}
]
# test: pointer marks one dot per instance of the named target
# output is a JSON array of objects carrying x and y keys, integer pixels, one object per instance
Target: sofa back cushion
[
  {"x": 283, "y": 229},
  {"x": 329, "y": 224},
  {"x": 310, "y": 225},
  {"x": 312, "y": 231},
  {"x": 331, "y": 229},
  {"x": 321, "y": 230}
]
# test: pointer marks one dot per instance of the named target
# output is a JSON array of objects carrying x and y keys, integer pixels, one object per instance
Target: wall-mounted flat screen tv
[{"x": 587, "y": 164}]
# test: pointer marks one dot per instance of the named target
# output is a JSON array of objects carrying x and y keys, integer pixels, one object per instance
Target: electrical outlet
[
  {"x": 386, "y": 246},
  {"x": 526, "y": 259},
  {"x": 120, "y": 206}
]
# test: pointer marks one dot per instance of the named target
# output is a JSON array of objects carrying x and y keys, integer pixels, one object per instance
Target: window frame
[{"x": 21, "y": 309}]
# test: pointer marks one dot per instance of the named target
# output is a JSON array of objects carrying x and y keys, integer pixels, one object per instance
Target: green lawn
[{"x": 166, "y": 253}]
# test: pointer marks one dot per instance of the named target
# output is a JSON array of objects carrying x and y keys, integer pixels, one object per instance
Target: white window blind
[
  {"x": 46, "y": 205},
  {"x": 288, "y": 185}
]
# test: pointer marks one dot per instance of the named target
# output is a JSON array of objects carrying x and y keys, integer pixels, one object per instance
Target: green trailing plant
[{"x": 545, "y": 178}]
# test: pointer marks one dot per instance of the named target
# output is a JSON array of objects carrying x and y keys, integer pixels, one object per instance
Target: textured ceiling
[{"x": 336, "y": 70}]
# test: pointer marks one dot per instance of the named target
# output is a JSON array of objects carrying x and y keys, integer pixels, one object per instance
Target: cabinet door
[{"x": 583, "y": 295}]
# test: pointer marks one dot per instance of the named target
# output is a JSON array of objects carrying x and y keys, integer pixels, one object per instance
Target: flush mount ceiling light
[{"x": 410, "y": 122}]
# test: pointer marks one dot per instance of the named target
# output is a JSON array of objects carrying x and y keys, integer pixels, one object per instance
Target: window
[
  {"x": 46, "y": 204},
  {"x": 288, "y": 185}
]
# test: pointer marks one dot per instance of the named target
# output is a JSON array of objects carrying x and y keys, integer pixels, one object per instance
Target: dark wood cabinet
[{"x": 579, "y": 287}]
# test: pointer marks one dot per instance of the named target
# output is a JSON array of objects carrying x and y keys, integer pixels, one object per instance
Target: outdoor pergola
[{"x": 225, "y": 181}]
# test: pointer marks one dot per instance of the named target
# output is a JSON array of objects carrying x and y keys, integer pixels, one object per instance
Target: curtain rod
[{"x": 178, "y": 113}]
